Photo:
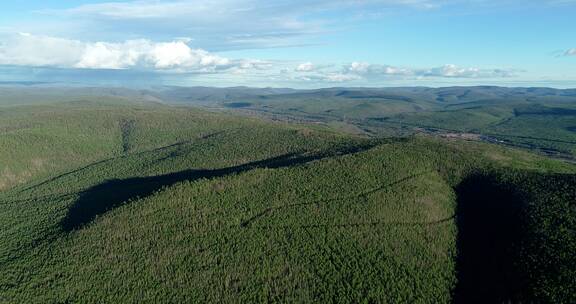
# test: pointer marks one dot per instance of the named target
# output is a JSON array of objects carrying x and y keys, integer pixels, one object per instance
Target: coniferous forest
[{"x": 109, "y": 200}]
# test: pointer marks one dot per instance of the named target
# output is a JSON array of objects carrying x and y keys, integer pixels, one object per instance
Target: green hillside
[
  {"x": 537, "y": 119},
  {"x": 542, "y": 120},
  {"x": 109, "y": 202}
]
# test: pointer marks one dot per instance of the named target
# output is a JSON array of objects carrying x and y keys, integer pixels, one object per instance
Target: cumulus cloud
[
  {"x": 370, "y": 73},
  {"x": 30, "y": 50},
  {"x": 373, "y": 73},
  {"x": 369, "y": 70},
  {"x": 453, "y": 71},
  {"x": 305, "y": 67},
  {"x": 177, "y": 56},
  {"x": 570, "y": 52}
]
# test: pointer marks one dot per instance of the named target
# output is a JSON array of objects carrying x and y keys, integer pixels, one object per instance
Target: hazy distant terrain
[
  {"x": 540, "y": 119},
  {"x": 535, "y": 118}
]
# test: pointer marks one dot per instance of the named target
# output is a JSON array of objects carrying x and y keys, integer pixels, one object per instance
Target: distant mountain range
[
  {"x": 543, "y": 119},
  {"x": 207, "y": 95}
]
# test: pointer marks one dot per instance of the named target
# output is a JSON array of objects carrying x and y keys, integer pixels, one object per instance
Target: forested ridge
[{"x": 108, "y": 203}]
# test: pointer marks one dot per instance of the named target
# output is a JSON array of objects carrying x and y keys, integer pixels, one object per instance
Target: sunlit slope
[
  {"x": 41, "y": 141},
  {"x": 344, "y": 227}
]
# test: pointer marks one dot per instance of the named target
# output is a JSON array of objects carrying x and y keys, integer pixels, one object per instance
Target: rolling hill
[
  {"x": 537, "y": 119},
  {"x": 105, "y": 200}
]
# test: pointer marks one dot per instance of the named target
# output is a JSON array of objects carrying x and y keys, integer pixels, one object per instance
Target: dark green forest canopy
[{"x": 107, "y": 201}]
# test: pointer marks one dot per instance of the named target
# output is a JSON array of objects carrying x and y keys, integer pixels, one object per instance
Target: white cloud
[
  {"x": 222, "y": 24},
  {"x": 367, "y": 69},
  {"x": 31, "y": 50},
  {"x": 453, "y": 71},
  {"x": 102, "y": 55},
  {"x": 231, "y": 24},
  {"x": 363, "y": 72},
  {"x": 449, "y": 71},
  {"x": 305, "y": 67},
  {"x": 254, "y": 64},
  {"x": 570, "y": 52},
  {"x": 177, "y": 56}
]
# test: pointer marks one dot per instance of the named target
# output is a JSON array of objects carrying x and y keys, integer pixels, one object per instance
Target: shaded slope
[
  {"x": 489, "y": 232},
  {"x": 113, "y": 193},
  {"x": 515, "y": 238}
]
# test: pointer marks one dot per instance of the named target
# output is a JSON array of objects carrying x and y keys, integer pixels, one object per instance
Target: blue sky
[{"x": 297, "y": 43}]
